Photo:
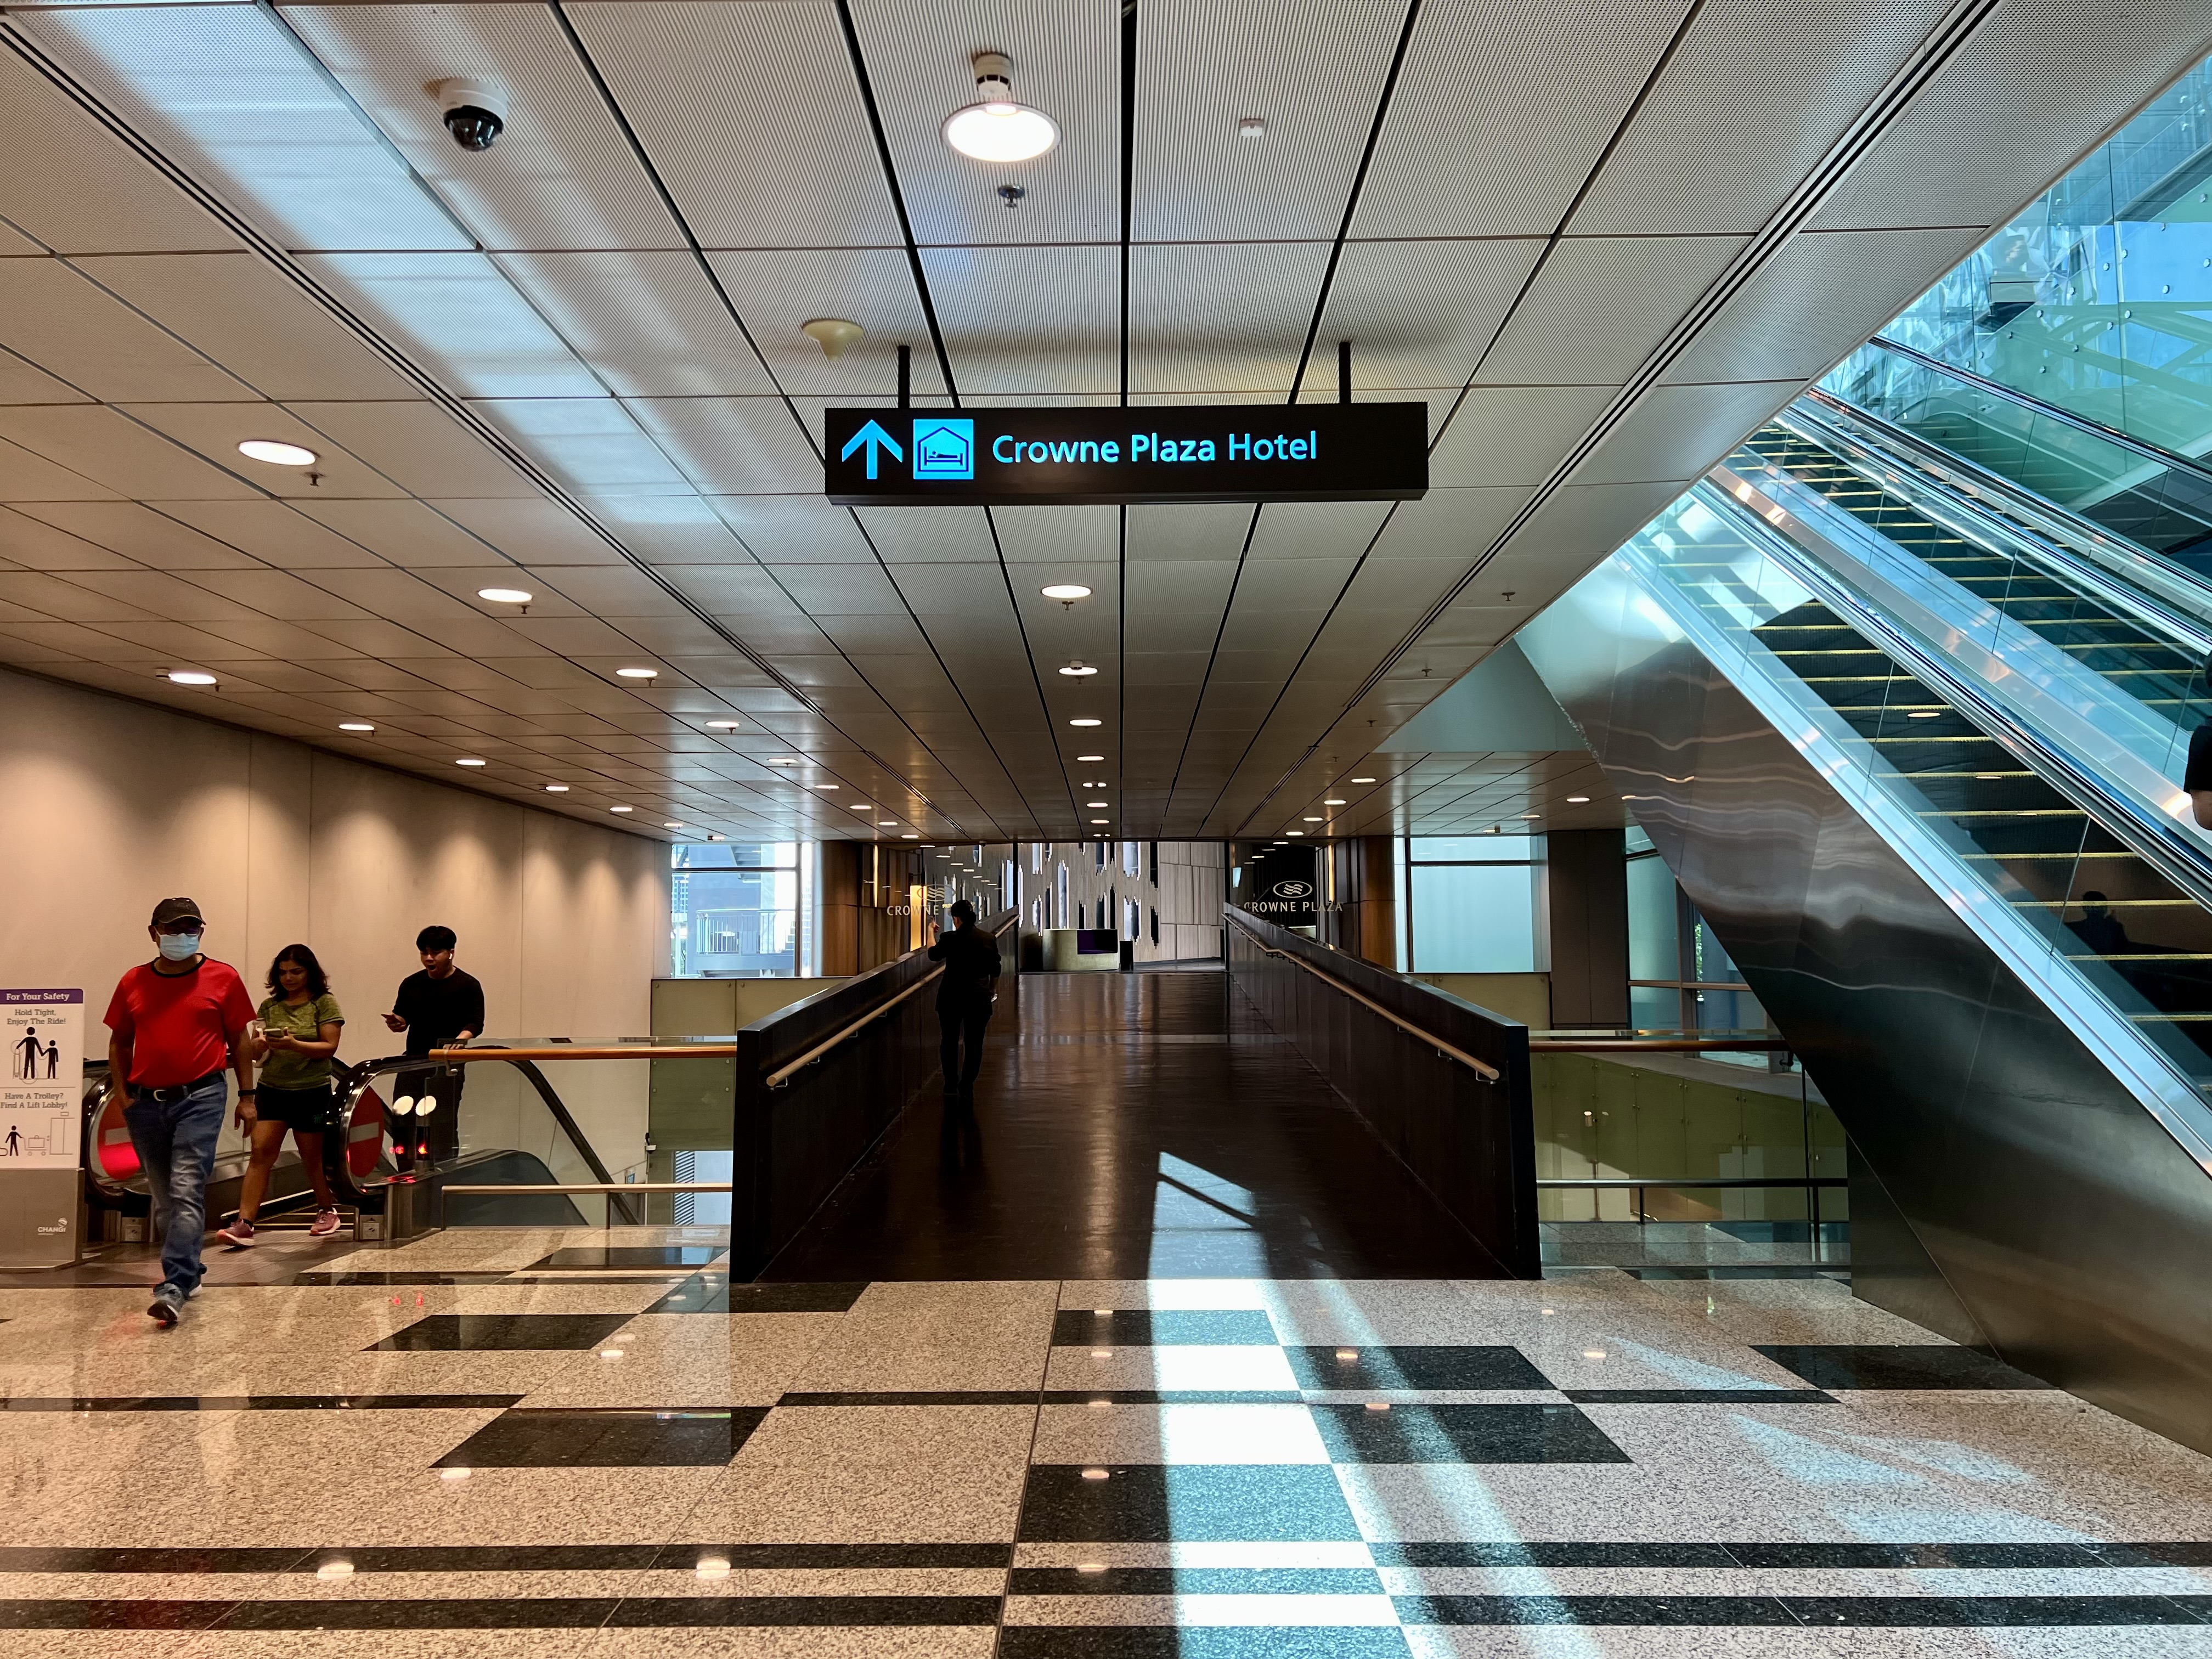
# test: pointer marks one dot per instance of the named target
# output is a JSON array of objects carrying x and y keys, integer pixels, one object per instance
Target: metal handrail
[
  {"x": 1483, "y": 1069},
  {"x": 596, "y": 1187},
  {"x": 1660, "y": 1045},
  {"x": 783, "y": 1074},
  {"x": 2143, "y": 446},
  {"x": 1611, "y": 1183},
  {"x": 567, "y": 1051}
]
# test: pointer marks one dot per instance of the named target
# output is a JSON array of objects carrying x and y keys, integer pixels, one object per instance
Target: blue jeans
[{"x": 175, "y": 1140}]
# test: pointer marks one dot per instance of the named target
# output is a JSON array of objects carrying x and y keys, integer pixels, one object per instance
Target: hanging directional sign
[{"x": 1186, "y": 453}]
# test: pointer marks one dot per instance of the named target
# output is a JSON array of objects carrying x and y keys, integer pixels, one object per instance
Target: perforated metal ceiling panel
[{"x": 518, "y": 370}]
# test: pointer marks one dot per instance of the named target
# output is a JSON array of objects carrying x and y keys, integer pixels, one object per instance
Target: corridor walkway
[{"x": 1133, "y": 1126}]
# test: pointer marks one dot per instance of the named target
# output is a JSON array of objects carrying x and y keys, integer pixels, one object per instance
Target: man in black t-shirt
[{"x": 440, "y": 1007}]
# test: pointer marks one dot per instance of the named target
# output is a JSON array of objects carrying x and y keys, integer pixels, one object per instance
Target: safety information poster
[{"x": 42, "y": 1091}]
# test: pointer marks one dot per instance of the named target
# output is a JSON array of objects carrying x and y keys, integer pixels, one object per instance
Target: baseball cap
[{"x": 171, "y": 910}]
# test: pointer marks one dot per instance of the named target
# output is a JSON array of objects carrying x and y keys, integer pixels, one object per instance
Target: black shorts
[{"x": 305, "y": 1110}]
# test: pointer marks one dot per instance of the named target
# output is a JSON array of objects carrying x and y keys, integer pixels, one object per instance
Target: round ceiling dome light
[
  {"x": 638, "y": 673},
  {"x": 1087, "y": 722},
  {"x": 277, "y": 452},
  {"x": 1065, "y": 592},
  {"x": 505, "y": 595},
  {"x": 355, "y": 726},
  {"x": 994, "y": 128},
  {"x": 190, "y": 677},
  {"x": 1077, "y": 670}
]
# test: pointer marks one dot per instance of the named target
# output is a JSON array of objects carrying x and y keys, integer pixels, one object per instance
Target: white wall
[{"x": 107, "y": 805}]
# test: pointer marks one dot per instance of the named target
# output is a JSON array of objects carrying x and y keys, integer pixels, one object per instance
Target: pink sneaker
[
  {"x": 238, "y": 1235},
  {"x": 326, "y": 1223}
]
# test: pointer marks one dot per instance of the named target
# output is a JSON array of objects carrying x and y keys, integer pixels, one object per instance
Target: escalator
[
  {"x": 1910, "y": 737},
  {"x": 492, "y": 1122}
]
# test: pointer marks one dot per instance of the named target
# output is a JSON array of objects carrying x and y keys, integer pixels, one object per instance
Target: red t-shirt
[{"x": 180, "y": 1026}]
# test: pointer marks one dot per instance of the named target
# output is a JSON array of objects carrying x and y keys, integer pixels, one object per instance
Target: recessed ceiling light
[
  {"x": 638, "y": 673},
  {"x": 1923, "y": 713},
  {"x": 1531, "y": 815},
  {"x": 724, "y": 726},
  {"x": 506, "y": 595},
  {"x": 1087, "y": 722},
  {"x": 190, "y": 677},
  {"x": 1578, "y": 801},
  {"x": 825, "y": 785},
  {"x": 862, "y": 806},
  {"x": 1294, "y": 832},
  {"x": 909, "y": 836},
  {"x": 784, "y": 760},
  {"x": 1333, "y": 802},
  {"x": 1094, "y": 803},
  {"x": 1077, "y": 671},
  {"x": 1099, "y": 820},
  {"x": 622, "y": 809},
  {"x": 1090, "y": 758},
  {"x": 1065, "y": 592},
  {"x": 355, "y": 726},
  {"x": 1313, "y": 820},
  {"x": 557, "y": 788},
  {"x": 277, "y": 452},
  {"x": 468, "y": 760},
  {"x": 673, "y": 823},
  {"x": 1362, "y": 780},
  {"x": 1252, "y": 126},
  {"x": 886, "y": 823},
  {"x": 718, "y": 838},
  {"x": 994, "y": 128}
]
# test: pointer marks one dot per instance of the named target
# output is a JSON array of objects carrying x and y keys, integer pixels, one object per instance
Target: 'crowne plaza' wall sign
[{"x": 1088, "y": 456}]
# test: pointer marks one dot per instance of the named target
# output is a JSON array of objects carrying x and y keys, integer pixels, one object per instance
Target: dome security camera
[{"x": 471, "y": 111}]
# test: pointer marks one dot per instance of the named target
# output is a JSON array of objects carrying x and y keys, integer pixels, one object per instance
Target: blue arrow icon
[{"x": 871, "y": 435}]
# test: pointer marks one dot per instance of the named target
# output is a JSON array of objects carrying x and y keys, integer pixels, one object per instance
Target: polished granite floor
[{"x": 585, "y": 1444}]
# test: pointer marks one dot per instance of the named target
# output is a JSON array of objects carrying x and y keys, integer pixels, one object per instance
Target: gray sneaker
[{"x": 168, "y": 1302}]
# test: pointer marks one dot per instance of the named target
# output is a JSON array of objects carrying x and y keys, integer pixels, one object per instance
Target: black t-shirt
[
  {"x": 2198, "y": 776},
  {"x": 439, "y": 1010},
  {"x": 970, "y": 957}
]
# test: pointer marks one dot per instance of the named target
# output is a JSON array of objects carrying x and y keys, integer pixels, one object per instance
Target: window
[
  {"x": 1133, "y": 858},
  {"x": 1098, "y": 859},
  {"x": 1679, "y": 976},
  {"x": 1475, "y": 900},
  {"x": 733, "y": 910},
  {"x": 1060, "y": 911},
  {"x": 1039, "y": 851}
]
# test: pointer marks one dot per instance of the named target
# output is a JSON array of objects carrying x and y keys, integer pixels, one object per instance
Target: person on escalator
[
  {"x": 964, "y": 997},
  {"x": 2197, "y": 775},
  {"x": 2099, "y": 928},
  {"x": 299, "y": 1033},
  {"x": 440, "y": 1007}
]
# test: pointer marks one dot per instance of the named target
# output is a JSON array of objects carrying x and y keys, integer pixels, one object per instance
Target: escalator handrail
[
  {"x": 2150, "y": 836},
  {"x": 2128, "y": 441},
  {"x": 2184, "y": 609}
]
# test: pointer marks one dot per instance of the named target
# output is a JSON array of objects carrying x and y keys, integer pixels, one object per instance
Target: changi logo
[{"x": 943, "y": 448}]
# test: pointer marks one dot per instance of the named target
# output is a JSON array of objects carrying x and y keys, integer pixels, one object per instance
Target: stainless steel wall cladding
[{"x": 2070, "y": 1227}]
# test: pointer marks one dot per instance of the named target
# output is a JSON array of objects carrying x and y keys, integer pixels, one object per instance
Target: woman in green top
[{"x": 300, "y": 1027}]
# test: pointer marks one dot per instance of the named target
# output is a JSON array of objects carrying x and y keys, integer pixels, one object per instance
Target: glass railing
[
  {"x": 1951, "y": 779},
  {"x": 2159, "y": 502}
]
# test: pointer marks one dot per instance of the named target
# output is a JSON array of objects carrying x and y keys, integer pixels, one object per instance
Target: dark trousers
[{"x": 954, "y": 1025}]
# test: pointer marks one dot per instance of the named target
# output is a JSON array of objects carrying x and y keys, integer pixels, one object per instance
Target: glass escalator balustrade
[
  {"x": 2144, "y": 943},
  {"x": 2106, "y": 637}
]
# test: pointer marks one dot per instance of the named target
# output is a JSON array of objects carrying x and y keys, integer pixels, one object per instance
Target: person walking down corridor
[
  {"x": 300, "y": 1027},
  {"x": 965, "y": 996},
  {"x": 440, "y": 1007},
  {"x": 172, "y": 1025}
]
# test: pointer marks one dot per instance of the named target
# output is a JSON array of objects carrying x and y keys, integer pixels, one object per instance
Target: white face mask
[{"x": 180, "y": 947}]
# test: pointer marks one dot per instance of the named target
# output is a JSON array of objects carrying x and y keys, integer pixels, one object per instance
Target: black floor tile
[
  {"x": 1350, "y": 1367},
  {"x": 1196, "y": 1580},
  {"x": 1812, "y": 1558},
  {"x": 553, "y": 1439},
  {"x": 1904, "y": 1366},
  {"x": 449, "y": 1332},
  {"x": 1141, "y": 1328},
  {"x": 1989, "y": 1612},
  {"x": 489, "y": 1557},
  {"x": 1509, "y": 1554},
  {"x": 2153, "y": 1555},
  {"x": 1700, "y": 1397},
  {"x": 1674, "y": 1610},
  {"x": 1462, "y": 1434},
  {"x": 37, "y": 1558},
  {"x": 423, "y": 1612},
  {"x": 111, "y": 1615},
  {"x": 711, "y": 1294},
  {"x": 1202, "y": 1641},
  {"x": 647, "y": 1612},
  {"x": 761, "y": 1557},
  {"x": 586, "y": 1256},
  {"x": 1149, "y": 1502}
]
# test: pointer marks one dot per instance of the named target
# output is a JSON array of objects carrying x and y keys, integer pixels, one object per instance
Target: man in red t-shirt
[{"x": 172, "y": 1024}]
